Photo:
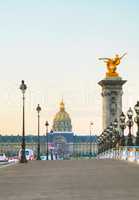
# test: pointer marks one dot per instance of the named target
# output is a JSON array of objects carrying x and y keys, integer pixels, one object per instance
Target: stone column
[{"x": 112, "y": 99}]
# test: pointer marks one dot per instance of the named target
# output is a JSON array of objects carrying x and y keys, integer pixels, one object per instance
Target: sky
[{"x": 54, "y": 45}]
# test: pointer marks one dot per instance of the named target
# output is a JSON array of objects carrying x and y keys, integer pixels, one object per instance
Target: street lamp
[
  {"x": 110, "y": 133},
  {"x": 113, "y": 144},
  {"x": 102, "y": 144},
  {"x": 23, "y": 159},
  {"x": 104, "y": 135},
  {"x": 47, "y": 153},
  {"x": 117, "y": 137},
  {"x": 136, "y": 108},
  {"x": 99, "y": 141},
  {"x": 115, "y": 124},
  {"x": 122, "y": 126},
  {"x": 38, "y": 109},
  {"x": 130, "y": 124},
  {"x": 116, "y": 132},
  {"x": 90, "y": 127}
]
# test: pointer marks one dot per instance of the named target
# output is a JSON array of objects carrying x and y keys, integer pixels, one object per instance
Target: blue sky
[{"x": 55, "y": 46}]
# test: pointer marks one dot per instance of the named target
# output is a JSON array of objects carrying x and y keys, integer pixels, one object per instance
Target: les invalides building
[{"x": 62, "y": 120}]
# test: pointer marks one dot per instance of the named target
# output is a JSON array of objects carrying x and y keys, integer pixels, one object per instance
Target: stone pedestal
[{"x": 112, "y": 99}]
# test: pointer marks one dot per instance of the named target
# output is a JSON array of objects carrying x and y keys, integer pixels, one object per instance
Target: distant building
[
  {"x": 63, "y": 141},
  {"x": 62, "y": 120}
]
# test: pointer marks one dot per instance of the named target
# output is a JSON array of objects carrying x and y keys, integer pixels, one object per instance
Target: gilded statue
[{"x": 112, "y": 65}]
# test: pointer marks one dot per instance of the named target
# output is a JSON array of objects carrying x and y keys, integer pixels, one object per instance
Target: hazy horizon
[{"x": 54, "y": 46}]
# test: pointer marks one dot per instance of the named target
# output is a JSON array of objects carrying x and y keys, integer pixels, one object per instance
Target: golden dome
[{"x": 62, "y": 121}]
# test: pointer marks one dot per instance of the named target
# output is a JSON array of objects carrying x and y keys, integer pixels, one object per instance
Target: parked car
[
  {"x": 49, "y": 157},
  {"x": 28, "y": 153},
  {"x": 3, "y": 157}
]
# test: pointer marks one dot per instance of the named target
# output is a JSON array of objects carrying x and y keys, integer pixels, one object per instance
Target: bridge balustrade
[{"x": 129, "y": 153}]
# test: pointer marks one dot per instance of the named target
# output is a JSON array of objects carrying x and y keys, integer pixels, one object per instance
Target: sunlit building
[{"x": 62, "y": 120}]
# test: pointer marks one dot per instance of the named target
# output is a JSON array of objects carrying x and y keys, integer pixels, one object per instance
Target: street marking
[{"x": 6, "y": 165}]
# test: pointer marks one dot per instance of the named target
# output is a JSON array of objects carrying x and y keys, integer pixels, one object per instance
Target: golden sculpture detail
[{"x": 112, "y": 65}]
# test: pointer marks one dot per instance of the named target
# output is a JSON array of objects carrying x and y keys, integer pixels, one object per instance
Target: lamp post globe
[
  {"x": 130, "y": 113},
  {"x": 115, "y": 131},
  {"x": 23, "y": 159},
  {"x": 105, "y": 133},
  {"x": 38, "y": 109},
  {"x": 110, "y": 133},
  {"x": 115, "y": 123},
  {"x": 23, "y": 87},
  {"x": 136, "y": 119},
  {"x": 130, "y": 123},
  {"x": 47, "y": 150},
  {"x": 111, "y": 126},
  {"x": 122, "y": 117}
]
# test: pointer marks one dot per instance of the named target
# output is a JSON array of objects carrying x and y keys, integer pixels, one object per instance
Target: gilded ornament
[{"x": 112, "y": 64}]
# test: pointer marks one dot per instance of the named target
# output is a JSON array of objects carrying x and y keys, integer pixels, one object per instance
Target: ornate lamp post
[
  {"x": 38, "y": 109},
  {"x": 117, "y": 136},
  {"x": 23, "y": 159},
  {"x": 113, "y": 144},
  {"x": 122, "y": 126},
  {"x": 102, "y": 143},
  {"x": 109, "y": 131},
  {"x": 136, "y": 119},
  {"x": 99, "y": 145},
  {"x": 105, "y": 142},
  {"x": 47, "y": 153},
  {"x": 130, "y": 124},
  {"x": 115, "y": 126},
  {"x": 90, "y": 149}
]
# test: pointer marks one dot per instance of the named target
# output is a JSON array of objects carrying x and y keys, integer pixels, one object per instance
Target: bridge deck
[{"x": 70, "y": 180}]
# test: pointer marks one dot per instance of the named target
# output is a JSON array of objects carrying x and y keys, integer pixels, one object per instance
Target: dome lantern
[{"x": 62, "y": 106}]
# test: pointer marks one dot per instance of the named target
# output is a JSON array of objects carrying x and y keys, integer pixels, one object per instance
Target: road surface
[{"x": 70, "y": 180}]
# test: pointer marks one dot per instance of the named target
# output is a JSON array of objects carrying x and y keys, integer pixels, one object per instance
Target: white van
[{"x": 29, "y": 154}]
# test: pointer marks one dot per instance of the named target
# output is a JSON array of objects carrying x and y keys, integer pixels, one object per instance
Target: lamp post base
[
  {"x": 122, "y": 142},
  {"x": 38, "y": 152},
  {"x": 90, "y": 156},
  {"x": 23, "y": 156},
  {"x": 47, "y": 156},
  {"x": 23, "y": 160},
  {"x": 130, "y": 141},
  {"x": 137, "y": 140}
]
